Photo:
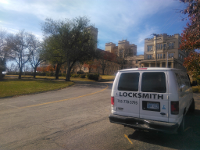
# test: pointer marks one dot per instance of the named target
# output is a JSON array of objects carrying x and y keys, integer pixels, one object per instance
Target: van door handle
[{"x": 162, "y": 113}]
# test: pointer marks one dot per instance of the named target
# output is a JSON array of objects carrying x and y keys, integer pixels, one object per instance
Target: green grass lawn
[
  {"x": 48, "y": 77},
  {"x": 196, "y": 89},
  {"x": 21, "y": 87}
]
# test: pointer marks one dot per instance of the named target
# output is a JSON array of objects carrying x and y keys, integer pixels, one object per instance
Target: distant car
[{"x": 4, "y": 72}]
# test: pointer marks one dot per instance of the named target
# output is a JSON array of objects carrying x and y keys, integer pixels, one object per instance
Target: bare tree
[
  {"x": 3, "y": 51},
  {"x": 13, "y": 68},
  {"x": 19, "y": 45},
  {"x": 35, "y": 50}
]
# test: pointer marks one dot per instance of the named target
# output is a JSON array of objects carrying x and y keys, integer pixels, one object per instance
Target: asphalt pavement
[{"x": 77, "y": 118}]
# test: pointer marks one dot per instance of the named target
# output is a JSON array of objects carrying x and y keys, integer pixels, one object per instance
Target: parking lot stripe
[
  {"x": 187, "y": 129},
  {"x": 127, "y": 138},
  {"x": 64, "y": 99}
]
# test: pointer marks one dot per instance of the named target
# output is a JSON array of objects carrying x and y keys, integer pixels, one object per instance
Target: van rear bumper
[{"x": 143, "y": 124}]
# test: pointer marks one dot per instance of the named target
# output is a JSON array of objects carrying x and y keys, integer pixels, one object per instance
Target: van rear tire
[
  {"x": 182, "y": 127},
  {"x": 192, "y": 106}
]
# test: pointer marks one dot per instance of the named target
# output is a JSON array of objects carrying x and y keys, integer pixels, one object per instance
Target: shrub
[
  {"x": 63, "y": 74},
  {"x": 82, "y": 75},
  {"x": 2, "y": 76},
  {"x": 13, "y": 73},
  {"x": 40, "y": 73},
  {"x": 74, "y": 75},
  {"x": 93, "y": 77},
  {"x": 49, "y": 74},
  {"x": 80, "y": 72},
  {"x": 196, "y": 89}
]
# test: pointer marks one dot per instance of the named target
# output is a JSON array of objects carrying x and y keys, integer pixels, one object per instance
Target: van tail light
[
  {"x": 112, "y": 100},
  {"x": 175, "y": 107}
]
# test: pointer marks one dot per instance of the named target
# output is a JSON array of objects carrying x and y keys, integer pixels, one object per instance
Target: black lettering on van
[
  {"x": 154, "y": 95},
  {"x": 124, "y": 94},
  {"x": 139, "y": 95},
  {"x": 160, "y": 96},
  {"x": 129, "y": 94},
  {"x": 145, "y": 95},
  {"x": 150, "y": 96},
  {"x": 135, "y": 95},
  {"x": 120, "y": 94}
]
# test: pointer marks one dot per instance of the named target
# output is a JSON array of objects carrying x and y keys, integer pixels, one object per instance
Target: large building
[
  {"x": 160, "y": 51},
  {"x": 94, "y": 33},
  {"x": 157, "y": 49},
  {"x": 125, "y": 51}
]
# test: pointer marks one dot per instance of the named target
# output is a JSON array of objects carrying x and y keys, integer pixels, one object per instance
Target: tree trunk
[
  {"x": 69, "y": 67},
  {"x": 20, "y": 72},
  {"x": 34, "y": 73},
  {"x": 68, "y": 72},
  {"x": 57, "y": 71},
  {"x": 103, "y": 71}
]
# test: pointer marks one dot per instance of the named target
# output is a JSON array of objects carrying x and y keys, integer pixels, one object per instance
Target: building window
[
  {"x": 164, "y": 46},
  {"x": 159, "y": 46},
  {"x": 159, "y": 56},
  {"x": 163, "y": 55},
  {"x": 170, "y": 55},
  {"x": 172, "y": 45},
  {"x": 149, "y": 56},
  {"x": 169, "y": 45},
  {"x": 149, "y": 48}
]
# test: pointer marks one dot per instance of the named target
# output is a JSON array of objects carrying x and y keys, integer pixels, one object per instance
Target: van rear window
[
  {"x": 128, "y": 82},
  {"x": 153, "y": 82}
]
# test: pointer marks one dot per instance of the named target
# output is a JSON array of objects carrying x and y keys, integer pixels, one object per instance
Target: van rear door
[
  {"x": 154, "y": 103},
  {"x": 126, "y": 100}
]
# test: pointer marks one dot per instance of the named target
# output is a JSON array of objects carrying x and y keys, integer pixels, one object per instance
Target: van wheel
[
  {"x": 182, "y": 127},
  {"x": 192, "y": 106}
]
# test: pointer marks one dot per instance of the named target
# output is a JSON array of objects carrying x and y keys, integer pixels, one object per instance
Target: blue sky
[{"x": 116, "y": 20}]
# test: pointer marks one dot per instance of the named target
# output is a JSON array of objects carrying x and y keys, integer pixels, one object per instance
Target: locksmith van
[{"x": 151, "y": 99}]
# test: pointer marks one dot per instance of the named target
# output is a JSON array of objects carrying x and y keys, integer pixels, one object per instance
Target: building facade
[
  {"x": 126, "y": 52},
  {"x": 163, "y": 51},
  {"x": 123, "y": 50}
]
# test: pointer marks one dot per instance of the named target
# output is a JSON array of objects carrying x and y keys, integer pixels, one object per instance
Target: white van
[{"x": 151, "y": 99}]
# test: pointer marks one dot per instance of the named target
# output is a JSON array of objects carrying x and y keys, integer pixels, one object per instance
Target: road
[{"x": 77, "y": 118}]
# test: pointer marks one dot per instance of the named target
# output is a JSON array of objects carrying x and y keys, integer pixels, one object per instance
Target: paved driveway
[{"x": 77, "y": 118}]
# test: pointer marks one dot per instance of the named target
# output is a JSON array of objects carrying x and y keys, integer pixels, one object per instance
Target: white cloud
[
  {"x": 4, "y": 1},
  {"x": 116, "y": 15},
  {"x": 147, "y": 32},
  {"x": 115, "y": 19}
]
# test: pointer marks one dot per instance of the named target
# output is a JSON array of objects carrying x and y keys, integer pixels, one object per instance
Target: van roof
[{"x": 149, "y": 68}]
